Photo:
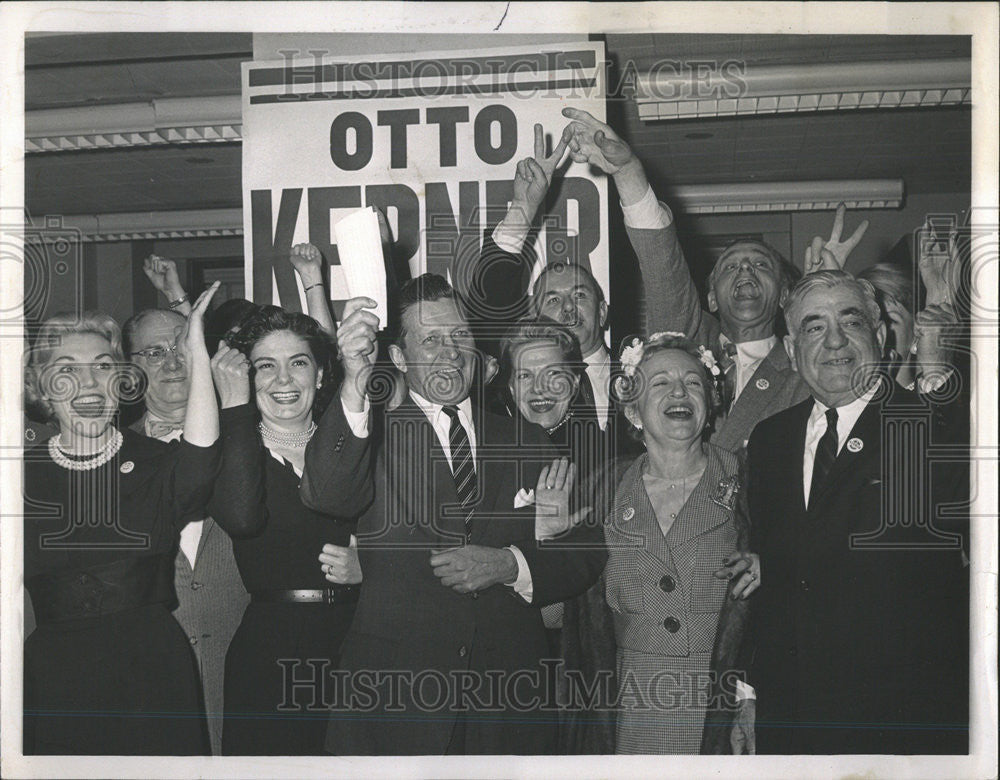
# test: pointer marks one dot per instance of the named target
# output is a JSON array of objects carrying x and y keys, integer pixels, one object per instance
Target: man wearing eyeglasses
[{"x": 210, "y": 593}]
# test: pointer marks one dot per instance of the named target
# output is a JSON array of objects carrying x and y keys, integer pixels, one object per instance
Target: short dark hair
[
  {"x": 228, "y": 315},
  {"x": 425, "y": 288},
  {"x": 272, "y": 319}
]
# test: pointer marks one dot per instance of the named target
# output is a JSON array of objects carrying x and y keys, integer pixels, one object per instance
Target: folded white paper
[{"x": 359, "y": 245}]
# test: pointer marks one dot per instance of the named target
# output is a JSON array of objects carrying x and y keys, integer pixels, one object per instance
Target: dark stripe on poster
[
  {"x": 406, "y": 69},
  {"x": 422, "y": 92}
]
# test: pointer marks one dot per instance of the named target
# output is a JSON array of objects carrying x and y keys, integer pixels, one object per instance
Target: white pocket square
[{"x": 524, "y": 498}]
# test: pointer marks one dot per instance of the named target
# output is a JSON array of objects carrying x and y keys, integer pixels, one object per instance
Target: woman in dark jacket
[{"x": 299, "y": 612}]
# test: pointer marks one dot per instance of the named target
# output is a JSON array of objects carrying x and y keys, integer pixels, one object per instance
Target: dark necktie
[
  {"x": 463, "y": 467},
  {"x": 826, "y": 454},
  {"x": 728, "y": 363}
]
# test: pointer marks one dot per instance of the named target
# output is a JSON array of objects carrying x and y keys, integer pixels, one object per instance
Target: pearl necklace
[
  {"x": 106, "y": 453},
  {"x": 287, "y": 440},
  {"x": 559, "y": 424}
]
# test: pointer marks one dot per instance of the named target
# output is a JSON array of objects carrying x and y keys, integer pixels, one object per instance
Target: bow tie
[{"x": 158, "y": 428}]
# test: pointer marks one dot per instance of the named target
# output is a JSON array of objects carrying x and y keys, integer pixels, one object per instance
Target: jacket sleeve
[
  {"x": 191, "y": 471},
  {"x": 672, "y": 301},
  {"x": 338, "y": 477},
  {"x": 238, "y": 503}
]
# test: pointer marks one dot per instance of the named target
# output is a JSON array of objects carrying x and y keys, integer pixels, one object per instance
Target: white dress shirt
[
  {"x": 441, "y": 423},
  {"x": 647, "y": 213},
  {"x": 190, "y": 533},
  {"x": 847, "y": 416},
  {"x": 749, "y": 356},
  {"x": 599, "y": 374}
]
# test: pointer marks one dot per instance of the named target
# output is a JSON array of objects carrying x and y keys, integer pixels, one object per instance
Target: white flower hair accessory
[{"x": 631, "y": 357}]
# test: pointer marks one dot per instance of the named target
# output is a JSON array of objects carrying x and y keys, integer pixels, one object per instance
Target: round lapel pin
[
  {"x": 126, "y": 467},
  {"x": 763, "y": 384},
  {"x": 855, "y": 445},
  {"x": 629, "y": 514}
]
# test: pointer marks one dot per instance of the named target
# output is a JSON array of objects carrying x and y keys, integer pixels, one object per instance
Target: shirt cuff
[
  {"x": 522, "y": 585},
  {"x": 509, "y": 238},
  {"x": 744, "y": 691},
  {"x": 648, "y": 213},
  {"x": 358, "y": 421},
  {"x": 931, "y": 383}
]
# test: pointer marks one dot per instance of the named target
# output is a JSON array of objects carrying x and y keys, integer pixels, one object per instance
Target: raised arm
[
  {"x": 672, "y": 301},
  {"x": 338, "y": 476},
  {"x": 308, "y": 264},
  {"x": 162, "y": 274},
  {"x": 238, "y": 501},
  {"x": 196, "y": 462}
]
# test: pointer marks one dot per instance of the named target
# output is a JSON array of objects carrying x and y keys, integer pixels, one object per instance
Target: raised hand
[
  {"x": 593, "y": 141},
  {"x": 534, "y": 174},
  {"x": 307, "y": 262},
  {"x": 340, "y": 565},
  {"x": 940, "y": 268},
  {"x": 552, "y": 492},
  {"x": 191, "y": 339},
  {"x": 162, "y": 274},
  {"x": 358, "y": 349},
  {"x": 933, "y": 356},
  {"x": 832, "y": 254},
  {"x": 231, "y": 374}
]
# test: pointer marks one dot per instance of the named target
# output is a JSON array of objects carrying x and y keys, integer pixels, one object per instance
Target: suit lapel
[
  {"x": 419, "y": 482},
  {"x": 759, "y": 392},
  {"x": 797, "y": 450},
  {"x": 866, "y": 432}
]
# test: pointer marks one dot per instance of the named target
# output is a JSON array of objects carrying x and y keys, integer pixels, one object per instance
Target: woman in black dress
[
  {"x": 299, "y": 612},
  {"x": 540, "y": 370},
  {"x": 108, "y": 670}
]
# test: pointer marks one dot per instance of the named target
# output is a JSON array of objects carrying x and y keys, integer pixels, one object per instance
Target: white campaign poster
[{"x": 431, "y": 139}]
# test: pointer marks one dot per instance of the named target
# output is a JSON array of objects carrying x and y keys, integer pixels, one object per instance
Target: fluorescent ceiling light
[
  {"x": 739, "y": 198},
  {"x": 672, "y": 93}
]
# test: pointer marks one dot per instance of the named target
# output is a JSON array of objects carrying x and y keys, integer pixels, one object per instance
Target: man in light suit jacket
[
  {"x": 861, "y": 620},
  {"x": 444, "y": 653},
  {"x": 210, "y": 593}
]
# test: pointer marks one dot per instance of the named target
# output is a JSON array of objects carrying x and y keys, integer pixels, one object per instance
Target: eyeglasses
[{"x": 156, "y": 355}]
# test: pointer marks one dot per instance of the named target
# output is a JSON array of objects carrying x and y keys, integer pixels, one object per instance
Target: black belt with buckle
[{"x": 346, "y": 594}]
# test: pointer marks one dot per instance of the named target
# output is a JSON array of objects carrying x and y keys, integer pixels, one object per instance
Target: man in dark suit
[
  {"x": 861, "y": 620},
  {"x": 210, "y": 593},
  {"x": 444, "y": 652}
]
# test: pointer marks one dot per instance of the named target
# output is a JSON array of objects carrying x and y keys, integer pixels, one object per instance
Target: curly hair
[
  {"x": 50, "y": 335},
  {"x": 272, "y": 319},
  {"x": 628, "y": 389},
  {"x": 537, "y": 330}
]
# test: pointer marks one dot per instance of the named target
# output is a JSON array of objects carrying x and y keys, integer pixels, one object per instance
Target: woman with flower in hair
[
  {"x": 677, "y": 518},
  {"x": 108, "y": 671},
  {"x": 299, "y": 566}
]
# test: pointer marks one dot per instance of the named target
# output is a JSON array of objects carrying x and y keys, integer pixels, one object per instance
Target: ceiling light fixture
[{"x": 733, "y": 90}]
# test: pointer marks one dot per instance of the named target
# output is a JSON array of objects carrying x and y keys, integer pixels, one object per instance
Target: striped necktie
[
  {"x": 826, "y": 454},
  {"x": 463, "y": 467}
]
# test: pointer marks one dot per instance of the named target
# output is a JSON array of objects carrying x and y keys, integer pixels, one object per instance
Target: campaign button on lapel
[
  {"x": 762, "y": 384},
  {"x": 628, "y": 514},
  {"x": 126, "y": 467},
  {"x": 855, "y": 445}
]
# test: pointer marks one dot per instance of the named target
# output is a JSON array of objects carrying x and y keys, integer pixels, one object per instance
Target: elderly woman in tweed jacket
[{"x": 676, "y": 536}]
